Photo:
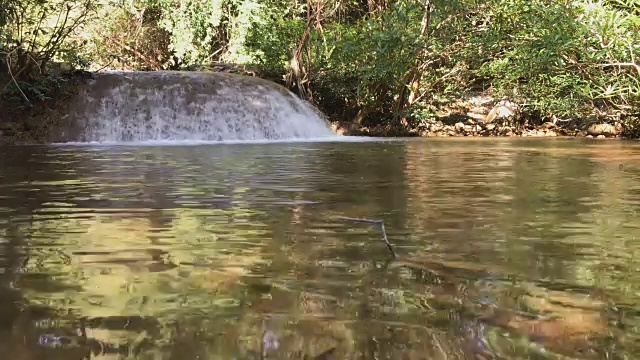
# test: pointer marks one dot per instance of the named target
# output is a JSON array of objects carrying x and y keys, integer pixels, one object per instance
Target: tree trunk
[{"x": 408, "y": 93}]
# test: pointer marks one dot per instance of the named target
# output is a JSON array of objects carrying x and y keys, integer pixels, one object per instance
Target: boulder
[
  {"x": 503, "y": 110},
  {"x": 603, "y": 129},
  {"x": 548, "y": 126}
]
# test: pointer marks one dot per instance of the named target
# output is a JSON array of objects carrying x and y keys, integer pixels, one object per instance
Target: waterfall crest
[{"x": 190, "y": 106}]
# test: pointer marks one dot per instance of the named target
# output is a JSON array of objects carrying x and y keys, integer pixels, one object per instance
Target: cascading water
[{"x": 189, "y": 106}]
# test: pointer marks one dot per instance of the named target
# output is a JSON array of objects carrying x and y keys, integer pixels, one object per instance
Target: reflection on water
[{"x": 507, "y": 249}]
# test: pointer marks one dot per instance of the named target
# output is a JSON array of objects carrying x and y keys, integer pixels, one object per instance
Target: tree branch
[
  {"x": 8, "y": 60},
  {"x": 377, "y": 222},
  {"x": 621, "y": 64}
]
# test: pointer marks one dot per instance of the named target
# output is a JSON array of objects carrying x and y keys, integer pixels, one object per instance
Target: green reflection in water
[{"x": 509, "y": 249}]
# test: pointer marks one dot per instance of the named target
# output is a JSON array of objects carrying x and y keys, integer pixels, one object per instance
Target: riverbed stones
[
  {"x": 440, "y": 127},
  {"x": 436, "y": 127}
]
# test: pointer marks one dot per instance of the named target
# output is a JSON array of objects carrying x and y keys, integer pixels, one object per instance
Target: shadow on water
[{"x": 508, "y": 249}]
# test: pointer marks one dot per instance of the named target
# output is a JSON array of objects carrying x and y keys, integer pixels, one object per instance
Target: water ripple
[{"x": 515, "y": 238}]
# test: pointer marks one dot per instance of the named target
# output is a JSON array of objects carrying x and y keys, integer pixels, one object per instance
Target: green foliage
[
  {"x": 193, "y": 26},
  {"x": 132, "y": 38},
  {"x": 172, "y": 34},
  {"x": 361, "y": 64},
  {"x": 33, "y": 34},
  {"x": 556, "y": 56},
  {"x": 271, "y": 37},
  {"x": 39, "y": 89},
  {"x": 381, "y": 52}
]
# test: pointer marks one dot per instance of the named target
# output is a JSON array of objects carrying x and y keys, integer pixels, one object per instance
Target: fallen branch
[
  {"x": 377, "y": 222},
  {"x": 622, "y": 64}
]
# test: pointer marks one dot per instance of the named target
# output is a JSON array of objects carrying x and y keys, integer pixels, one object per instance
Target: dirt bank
[{"x": 36, "y": 121}]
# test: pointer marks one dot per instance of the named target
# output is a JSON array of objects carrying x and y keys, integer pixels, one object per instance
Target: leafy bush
[{"x": 32, "y": 35}]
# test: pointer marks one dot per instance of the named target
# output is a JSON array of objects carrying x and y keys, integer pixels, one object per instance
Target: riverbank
[
  {"x": 473, "y": 128},
  {"x": 479, "y": 115},
  {"x": 482, "y": 116},
  {"x": 40, "y": 118}
]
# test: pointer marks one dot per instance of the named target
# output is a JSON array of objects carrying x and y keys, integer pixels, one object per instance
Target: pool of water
[{"x": 506, "y": 249}]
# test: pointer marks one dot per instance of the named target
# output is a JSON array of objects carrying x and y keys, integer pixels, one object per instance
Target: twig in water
[{"x": 378, "y": 222}]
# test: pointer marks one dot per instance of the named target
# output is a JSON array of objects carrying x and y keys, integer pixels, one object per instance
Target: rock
[
  {"x": 600, "y": 137},
  {"x": 503, "y": 110},
  {"x": 581, "y": 134},
  {"x": 603, "y": 129},
  {"x": 548, "y": 125},
  {"x": 339, "y": 130},
  {"x": 589, "y": 136},
  {"x": 539, "y": 133},
  {"x": 551, "y": 133},
  {"x": 435, "y": 127},
  {"x": 471, "y": 122},
  {"x": 490, "y": 127},
  {"x": 459, "y": 127},
  {"x": 477, "y": 115}
]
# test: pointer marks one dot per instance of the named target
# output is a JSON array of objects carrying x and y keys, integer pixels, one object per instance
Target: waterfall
[{"x": 117, "y": 107}]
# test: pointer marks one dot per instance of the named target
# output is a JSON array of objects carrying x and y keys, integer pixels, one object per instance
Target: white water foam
[
  {"x": 334, "y": 138},
  {"x": 163, "y": 108}
]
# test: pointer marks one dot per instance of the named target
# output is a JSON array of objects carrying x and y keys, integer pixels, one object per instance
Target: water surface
[{"x": 507, "y": 249}]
